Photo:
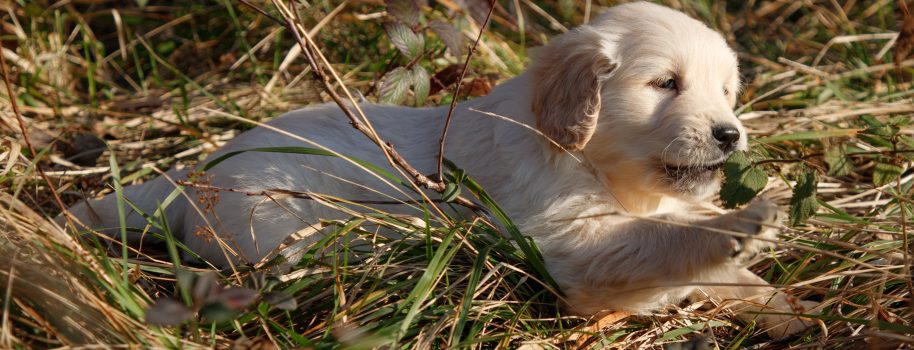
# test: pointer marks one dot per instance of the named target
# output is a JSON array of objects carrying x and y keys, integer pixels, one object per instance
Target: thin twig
[
  {"x": 71, "y": 220},
  {"x": 260, "y": 11},
  {"x": 906, "y": 269},
  {"x": 463, "y": 73},
  {"x": 25, "y": 137}
]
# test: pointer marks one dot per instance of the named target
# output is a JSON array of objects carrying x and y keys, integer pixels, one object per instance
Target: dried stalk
[{"x": 25, "y": 136}]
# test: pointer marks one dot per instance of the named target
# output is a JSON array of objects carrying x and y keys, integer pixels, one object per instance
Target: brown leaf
[
  {"x": 905, "y": 43},
  {"x": 449, "y": 35},
  {"x": 479, "y": 87},
  {"x": 84, "y": 149},
  {"x": 478, "y": 9},
  {"x": 237, "y": 298},
  {"x": 445, "y": 77},
  {"x": 205, "y": 288},
  {"x": 227, "y": 59},
  {"x": 9, "y": 44},
  {"x": 407, "y": 11}
]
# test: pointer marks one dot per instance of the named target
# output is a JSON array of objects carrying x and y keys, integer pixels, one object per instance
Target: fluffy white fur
[{"x": 631, "y": 147}]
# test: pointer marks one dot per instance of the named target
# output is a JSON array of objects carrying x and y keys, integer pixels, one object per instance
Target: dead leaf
[
  {"x": 445, "y": 78},
  {"x": 84, "y": 149},
  {"x": 905, "y": 42},
  {"x": 480, "y": 87}
]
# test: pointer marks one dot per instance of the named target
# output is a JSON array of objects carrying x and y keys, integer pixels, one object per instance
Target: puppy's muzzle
[{"x": 727, "y": 137}]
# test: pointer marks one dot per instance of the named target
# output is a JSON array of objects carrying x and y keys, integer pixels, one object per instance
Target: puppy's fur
[{"x": 609, "y": 208}]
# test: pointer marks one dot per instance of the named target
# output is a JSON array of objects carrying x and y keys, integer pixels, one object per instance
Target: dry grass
[{"x": 150, "y": 88}]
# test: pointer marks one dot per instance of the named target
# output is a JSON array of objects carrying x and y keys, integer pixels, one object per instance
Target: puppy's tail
[{"x": 141, "y": 204}]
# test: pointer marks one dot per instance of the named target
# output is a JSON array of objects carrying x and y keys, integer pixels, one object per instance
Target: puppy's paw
[
  {"x": 779, "y": 326},
  {"x": 757, "y": 226}
]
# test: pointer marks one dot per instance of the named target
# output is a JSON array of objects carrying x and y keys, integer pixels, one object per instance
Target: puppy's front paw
[
  {"x": 781, "y": 325},
  {"x": 755, "y": 226}
]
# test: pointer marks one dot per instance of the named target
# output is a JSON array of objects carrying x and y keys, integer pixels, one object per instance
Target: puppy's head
[{"x": 646, "y": 94}]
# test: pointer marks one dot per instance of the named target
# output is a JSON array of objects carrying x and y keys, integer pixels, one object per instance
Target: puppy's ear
[{"x": 568, "y": 75}]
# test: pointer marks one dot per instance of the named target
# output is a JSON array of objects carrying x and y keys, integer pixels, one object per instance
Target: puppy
[{"x": 634, "y": 118}]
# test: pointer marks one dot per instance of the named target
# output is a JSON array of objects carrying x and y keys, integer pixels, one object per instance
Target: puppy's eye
[
  {"x": 667, "y": 84},
  {"x": 726, "y": 91}
]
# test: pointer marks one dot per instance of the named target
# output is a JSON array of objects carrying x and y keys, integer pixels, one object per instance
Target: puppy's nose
[{"x": 727, "y": 136}]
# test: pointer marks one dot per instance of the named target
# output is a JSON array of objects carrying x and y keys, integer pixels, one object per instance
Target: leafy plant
[
  {"x": 408, "y": 31},
  {"x": 745, "y": 178}
]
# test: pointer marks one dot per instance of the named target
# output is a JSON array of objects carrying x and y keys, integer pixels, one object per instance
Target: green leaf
[
  {"x": 885, "y": 131},
  {"x": 457, "y": 175},
  {"x": 478, "y": 267},
  {"x": 398, "y": 81},
  {"x": 217, "y": 313},
  {"x": 838, "y": 162},
  {"x": 876, "y": 127},
  {"x": 425, "y": 285},
  {"x": 803, "y": 204},
  {"x": 449, "y": 35},
  {"x": 742, "y": 180},
  {"x": 451, "y": 191},
  {"x": 395, "y": 85},
  {"x": 420, "y": 83},
  {"x": 885, "y": 173},
  {"x": 531, "y": 253},
  {"x": 405, "y": 39},
  {"x": 407, "y": 11}
]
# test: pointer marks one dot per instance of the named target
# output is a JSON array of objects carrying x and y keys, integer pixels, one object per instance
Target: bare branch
[{"x": 463, "y": 73}]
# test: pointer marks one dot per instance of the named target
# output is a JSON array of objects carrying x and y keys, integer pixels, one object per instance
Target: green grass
[{"x": 144, "y": 80}]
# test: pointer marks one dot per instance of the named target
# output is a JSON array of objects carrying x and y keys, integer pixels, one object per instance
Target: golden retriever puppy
[{"x": 638, "y": 107}]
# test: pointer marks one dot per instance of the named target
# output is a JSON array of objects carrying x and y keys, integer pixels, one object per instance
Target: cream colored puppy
[{"x": 640, "y": 101}]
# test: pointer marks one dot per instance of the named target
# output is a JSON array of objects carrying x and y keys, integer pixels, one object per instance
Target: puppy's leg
[
  {"x": 642, "y": 264},
  {"x": 753, "y": 298}
]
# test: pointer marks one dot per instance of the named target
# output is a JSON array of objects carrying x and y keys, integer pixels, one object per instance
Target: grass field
[{"x": 109, "y": 93}]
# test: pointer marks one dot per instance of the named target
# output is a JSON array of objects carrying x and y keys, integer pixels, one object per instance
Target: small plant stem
[
  {"x": 463, "y": 73},
  {"x": 25, "y": 136}
]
